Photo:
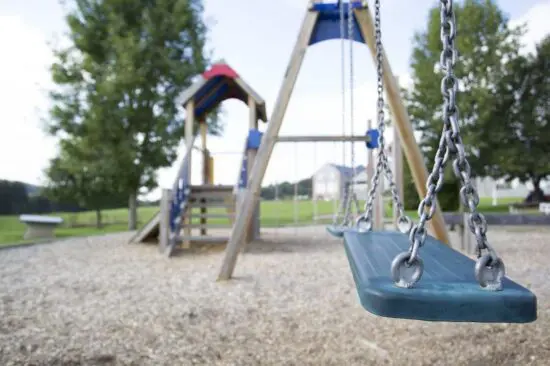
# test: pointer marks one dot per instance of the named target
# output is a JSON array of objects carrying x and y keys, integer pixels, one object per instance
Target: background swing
[
  {"x": 386, "y": 266},
  {"x": 343, "y": 219}
]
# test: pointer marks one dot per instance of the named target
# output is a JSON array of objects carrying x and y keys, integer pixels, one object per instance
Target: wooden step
[
  {"x": 207, "y": 226},
  {"x": 211, "y": 188},
  {"x": 204, "y": 239},
  {"x": 193, "y": 198},
  {"x": 198, "y": 204},
  {"x": 211, "y": 215}
]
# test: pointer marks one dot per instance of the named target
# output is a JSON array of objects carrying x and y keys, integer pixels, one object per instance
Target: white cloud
[
  {"x": 23, "y": 79},
  {"x": 536, "y": 19}
]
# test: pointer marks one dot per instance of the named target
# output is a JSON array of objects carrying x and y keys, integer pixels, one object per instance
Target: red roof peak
[{"x": 220, "y": 69}]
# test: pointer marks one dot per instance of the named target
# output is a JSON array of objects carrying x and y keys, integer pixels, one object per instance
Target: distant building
[
  {"x": 330, "y": 180},
  {"x": 490, "y": 188}
]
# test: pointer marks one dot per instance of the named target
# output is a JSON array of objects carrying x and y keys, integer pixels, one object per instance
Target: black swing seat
[{"x": 447, "y": 290}]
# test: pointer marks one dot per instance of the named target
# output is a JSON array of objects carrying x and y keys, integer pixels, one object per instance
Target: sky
[{"x": 256, "y": 39}]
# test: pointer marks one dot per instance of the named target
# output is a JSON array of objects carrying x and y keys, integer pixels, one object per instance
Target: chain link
[
  {"x": 450, "y": 144},
  {"x": 343, "y": 207},
  {"x": 382, "y": 163},
  {"x": 351, "y": 187}
]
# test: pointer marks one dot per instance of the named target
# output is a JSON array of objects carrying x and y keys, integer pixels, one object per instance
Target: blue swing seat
[
  {"x": 336, "y": 230},
  {"x": 447, "y": 291}
]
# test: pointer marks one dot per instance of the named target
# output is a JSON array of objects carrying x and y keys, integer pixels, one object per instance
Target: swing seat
[
  {"x": 336, "y": 230},
  {"x": 447, "y": 290}
]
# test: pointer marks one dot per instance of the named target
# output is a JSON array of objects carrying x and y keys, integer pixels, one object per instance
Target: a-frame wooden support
[{"x": 401, "y": 122}]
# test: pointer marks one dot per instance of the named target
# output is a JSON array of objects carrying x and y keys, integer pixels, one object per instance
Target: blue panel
[
  {"x": 373, "y": 142},
  {"x": 447, "y": 291},
  {"x": 328, "y": 23},
  {"x": 254, "y": 139},
  {"x": 210, "y": 95},
  {"x": 212, "y": 99},
  {"x": 206, "y": 89},
  {"x": 179, "y": 198},
  {"x": 243, "y": 176}
]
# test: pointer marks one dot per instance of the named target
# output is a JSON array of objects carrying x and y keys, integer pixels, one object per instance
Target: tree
[
  {"x": 79, "y": 175},
  {"x": 484, "y": 41},
  {"x": 117, "y": 84},
  {"x": 520, "y": 146},
  {"x": 13, "y": 197}
]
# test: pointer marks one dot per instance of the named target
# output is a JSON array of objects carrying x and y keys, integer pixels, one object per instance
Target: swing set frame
[{"x": 319, "y": 25}]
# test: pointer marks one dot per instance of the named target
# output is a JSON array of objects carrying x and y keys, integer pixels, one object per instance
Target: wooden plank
[
  {"x": 247, "y": 206},
  {"x": 205, "y": 160},
  {"x": 211, "y": 188},
  {"x": 402, "y": 122},
  {"x": 323, "y": 138},
  {"x": 211, "y": 226},
  {"x": 189, "y": 138},
  {"x": 212, "y": 215},
  {"x": 204, "y": 239},
  {"x": 253, "y": 228},
  {"x": 164, "y": 221},
  {"x": 149, "y": 231},
  {"x": 189, "y": 133},
  {"x": 221, "y": 204}
]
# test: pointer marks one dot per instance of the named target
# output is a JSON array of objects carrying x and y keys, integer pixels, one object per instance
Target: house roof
[{"x": 217, "y": 84}]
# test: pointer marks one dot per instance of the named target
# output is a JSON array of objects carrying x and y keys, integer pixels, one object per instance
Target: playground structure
[
  {"x": 369, "y": 250},
  {"x": 176, "y": 211},
  {"x": 386, "y": 265},
  {"x": 299, "y": 307},
  {"x": 321, "y": 24}
]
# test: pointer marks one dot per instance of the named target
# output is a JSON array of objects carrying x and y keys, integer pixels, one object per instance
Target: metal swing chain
[
  {"x": 342, "y": 209},
  {"x": 351, "y": 187},
  {"x": 365, "y": 222},
  {"x": 489, "y": 268}
]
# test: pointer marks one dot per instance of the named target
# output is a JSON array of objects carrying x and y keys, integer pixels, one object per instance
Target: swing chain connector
[{"x": 489, "y": 269}]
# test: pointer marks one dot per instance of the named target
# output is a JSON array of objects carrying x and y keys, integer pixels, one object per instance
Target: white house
[
  {"x": 328, "y": 183},
  {"x": 495, "y": 189}
]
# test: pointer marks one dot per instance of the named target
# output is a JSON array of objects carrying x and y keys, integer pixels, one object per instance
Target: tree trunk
[
  {"x": 132, "y": 212},
  {"x": 537, "y": 195},
  {"x": 98, "y": 221}
]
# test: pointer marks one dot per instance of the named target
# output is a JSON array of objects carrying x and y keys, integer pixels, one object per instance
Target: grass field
[{"x": 273, "y": 213}]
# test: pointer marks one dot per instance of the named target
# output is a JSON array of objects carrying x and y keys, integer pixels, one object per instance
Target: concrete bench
[
  {"x": 40, "y": 227},
  {"x": 544, "y": 207}
]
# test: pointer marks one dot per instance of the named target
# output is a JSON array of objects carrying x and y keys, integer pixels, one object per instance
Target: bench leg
[{"x": 39, "y": 231}]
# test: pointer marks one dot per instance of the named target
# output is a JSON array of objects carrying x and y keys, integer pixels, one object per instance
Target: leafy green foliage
[
  {"x": 79, "y": 174},
  {"x": 484, "y": 40},
  {"x": 448, "y": 198},
  {"x": 287, "y": 190},
  {"x": 520, "y": 138},
  {"x": 117, "y": 87}
]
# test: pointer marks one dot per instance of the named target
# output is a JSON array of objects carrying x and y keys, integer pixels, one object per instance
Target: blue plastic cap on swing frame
[
  {"x": 254, "y": 139},
  {"x": 373, "y": 135}
]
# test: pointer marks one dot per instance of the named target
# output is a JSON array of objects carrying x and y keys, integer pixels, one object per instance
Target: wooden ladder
[{"x": 208, "y": 207}]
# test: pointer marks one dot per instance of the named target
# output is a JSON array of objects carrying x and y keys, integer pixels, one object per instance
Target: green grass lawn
[{"x": 273, "y": 214}]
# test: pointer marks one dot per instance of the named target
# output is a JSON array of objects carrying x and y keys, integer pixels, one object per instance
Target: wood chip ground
[{"x": 101, "y": 301}]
